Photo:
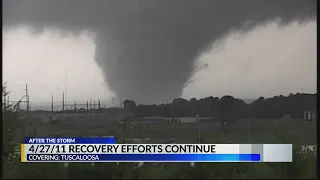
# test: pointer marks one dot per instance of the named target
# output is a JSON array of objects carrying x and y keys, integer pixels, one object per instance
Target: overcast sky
[
  {"x": 149, "y": 50},
  {"x": 266, "y": 61}
]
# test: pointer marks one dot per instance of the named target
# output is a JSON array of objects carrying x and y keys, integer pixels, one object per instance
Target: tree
[
  {"x": 211, "y": 106},
  {"x": 10, "y": 159},
  {"x": 226, "y": 106},
  {"x": 129, "y": 104},
  {"x": 9, "y": 123}
]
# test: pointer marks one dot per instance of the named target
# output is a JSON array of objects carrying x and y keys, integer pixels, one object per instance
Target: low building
[
  {"x": 74, "y": 116},
  {"x": 149, "y": 123},
  {"x": 286, "y": 116},
  {"x": 310, "y": 116},
  {"x": 141, "y": 123}
]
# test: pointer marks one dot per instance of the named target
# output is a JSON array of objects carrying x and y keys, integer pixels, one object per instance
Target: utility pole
[
  {"x": 87, "y": 105},
  {"x": 65, "y": 85},
  {"x": 199, "y": 129},
  {"x": 75, "y": 106},
  {"x": 63, "y": 102},
  {"x": 51, "y": 103},
  {"x": 90, "y": 103},
  {"x": 4, "y": 94},
  {"x": 173, "y": 113},
  {"x": 27, "y": 98},
  {"x": 249, "y": 129},
  {"x": 8, "y": 101},
  {"x": 26, "y": 121}
]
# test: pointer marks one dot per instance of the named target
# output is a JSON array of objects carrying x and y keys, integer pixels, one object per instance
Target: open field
[
  {"x": 261, "y": 131},
  {"x": 242, "y": 131}
]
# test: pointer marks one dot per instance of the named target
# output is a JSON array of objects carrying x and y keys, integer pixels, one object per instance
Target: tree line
[{"x": 275, "y": 107}]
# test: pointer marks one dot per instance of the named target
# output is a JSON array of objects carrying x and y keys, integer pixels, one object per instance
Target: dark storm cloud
[{"x": 147, "y": 49}]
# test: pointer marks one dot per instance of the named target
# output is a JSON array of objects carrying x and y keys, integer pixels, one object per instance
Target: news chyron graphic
[{"x": 107, "y": 150}]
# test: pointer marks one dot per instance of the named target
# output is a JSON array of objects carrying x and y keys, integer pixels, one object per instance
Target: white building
[{"x": 310, "y": 116}]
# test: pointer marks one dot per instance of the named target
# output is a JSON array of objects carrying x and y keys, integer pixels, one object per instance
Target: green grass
[
  {"x": 302, "y": 167},
  {"x": 261, "y": 131}
]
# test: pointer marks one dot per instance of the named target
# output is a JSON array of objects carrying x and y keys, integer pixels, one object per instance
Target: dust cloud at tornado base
[{"x": 147, "y": 49}]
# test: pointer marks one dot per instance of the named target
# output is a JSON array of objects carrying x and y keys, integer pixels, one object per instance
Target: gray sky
[
  {"x": 266, "y": 61},
  {"x": 263, "y": 60}
]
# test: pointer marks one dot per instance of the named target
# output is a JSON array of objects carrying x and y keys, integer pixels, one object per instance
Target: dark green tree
[{"x": 226, "y": 108}]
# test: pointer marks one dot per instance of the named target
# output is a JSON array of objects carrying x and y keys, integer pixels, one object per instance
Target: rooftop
[{"x": 182, "y": 119}]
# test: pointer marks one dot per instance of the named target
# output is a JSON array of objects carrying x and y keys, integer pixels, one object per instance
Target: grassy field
[
  {"x": 261, "y": 131},
  {"x": 242, "y": 131}
]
